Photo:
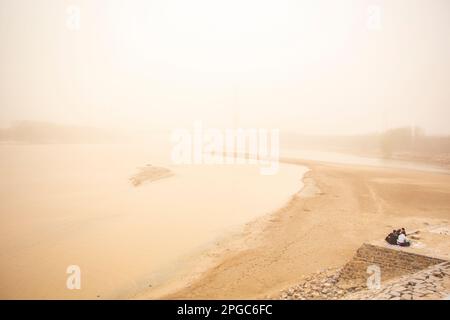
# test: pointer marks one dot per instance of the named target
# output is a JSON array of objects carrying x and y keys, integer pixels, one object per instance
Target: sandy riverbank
[{"x": 340, "y": 207}]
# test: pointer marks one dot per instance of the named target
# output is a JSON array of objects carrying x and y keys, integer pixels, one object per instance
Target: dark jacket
[{"x": 392, "y": 238}]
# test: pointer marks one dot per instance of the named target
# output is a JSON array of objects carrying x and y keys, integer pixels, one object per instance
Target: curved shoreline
[
  {"x": 310, "y": 233},
  {"x": 200, "y": 261}
]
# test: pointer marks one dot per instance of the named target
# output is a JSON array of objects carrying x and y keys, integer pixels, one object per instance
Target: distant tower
[
  {"x": 235, "y": 107},
  {"x": 385, "y": 120},
  {"x": 413, "y": 132}
]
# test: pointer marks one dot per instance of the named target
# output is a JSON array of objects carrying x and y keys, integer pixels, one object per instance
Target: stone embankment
[
  {"x": 323, "y": 285},
  {"x": 430, "y": 284},
  {"x": 403, "y": 275},
  {"x": 393, "y": 262}
]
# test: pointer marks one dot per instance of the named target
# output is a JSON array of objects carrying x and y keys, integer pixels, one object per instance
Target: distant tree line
[{"x": 412, "y": 140}]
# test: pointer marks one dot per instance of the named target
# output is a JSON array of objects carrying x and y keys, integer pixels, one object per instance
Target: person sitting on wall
[
  {"x": 392, "y": 237},
  {"x": 402, "y": 241}
]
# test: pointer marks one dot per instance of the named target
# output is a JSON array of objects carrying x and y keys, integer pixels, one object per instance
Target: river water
[{"x": 65, "y": 205}]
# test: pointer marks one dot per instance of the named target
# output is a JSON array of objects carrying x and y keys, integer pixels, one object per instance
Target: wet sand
[{"x": 340, "y": 207}]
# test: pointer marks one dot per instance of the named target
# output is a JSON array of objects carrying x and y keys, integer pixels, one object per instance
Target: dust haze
[
  {"x": 90, "y": 92},
  {"x": 322, "y": 67}
]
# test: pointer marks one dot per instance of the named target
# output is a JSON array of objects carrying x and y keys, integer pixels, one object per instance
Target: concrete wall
[{"x": 392, "y": 262}]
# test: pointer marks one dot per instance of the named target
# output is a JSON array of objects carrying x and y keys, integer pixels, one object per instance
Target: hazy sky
[{"x": 306, "y": 66}]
